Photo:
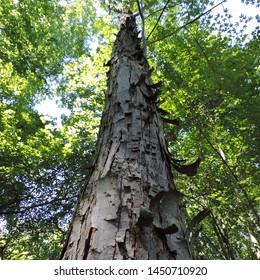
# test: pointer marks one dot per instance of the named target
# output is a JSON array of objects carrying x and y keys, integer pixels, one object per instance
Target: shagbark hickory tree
[{"x": 129, "y": 207}]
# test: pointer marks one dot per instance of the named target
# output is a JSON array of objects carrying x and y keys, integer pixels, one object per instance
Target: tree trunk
[{"x": 130, "y": 208}]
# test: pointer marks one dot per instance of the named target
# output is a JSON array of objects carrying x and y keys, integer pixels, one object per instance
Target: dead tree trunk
[{"x": 130, "y": 208}]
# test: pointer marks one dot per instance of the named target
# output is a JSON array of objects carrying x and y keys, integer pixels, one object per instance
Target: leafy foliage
[
  {"x": 41, "y": 170},
  {"x": 212, "y": 86},
  {"x": 210, "y": 72}
]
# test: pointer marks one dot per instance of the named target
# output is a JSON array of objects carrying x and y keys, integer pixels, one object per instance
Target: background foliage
[{"x": 210, "y": 72}]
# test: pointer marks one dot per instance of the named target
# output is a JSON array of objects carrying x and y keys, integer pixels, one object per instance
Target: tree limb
[
  {"x": 197, "y": 220},
  {"x": 24, "y": 209},
  {"x": 186, "y": 24},
  {"x": 140, "y": 9},
  {"x": 160, "y": 9},
  {"x": 218, "y": 153},
  {"x": 159, "y": 18}
]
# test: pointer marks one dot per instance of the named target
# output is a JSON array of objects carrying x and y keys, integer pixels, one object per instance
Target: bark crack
[{"x": 90, "y": 237}]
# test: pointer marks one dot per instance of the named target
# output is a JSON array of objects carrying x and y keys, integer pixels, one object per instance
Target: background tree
[
  {"x": 210, "y": 70},
  {"x": 36, "y": 156}
]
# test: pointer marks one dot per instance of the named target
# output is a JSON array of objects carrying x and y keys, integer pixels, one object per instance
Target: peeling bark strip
[{"x": 130, "y": 208}]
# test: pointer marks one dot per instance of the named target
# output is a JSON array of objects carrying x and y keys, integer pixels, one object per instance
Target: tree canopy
[{"x": 209, "y": 66}]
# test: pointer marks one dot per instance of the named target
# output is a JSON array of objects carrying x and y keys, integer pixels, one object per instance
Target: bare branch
[
  {"x": 140, "y": 8},
  {"x": 160, "y": 9},
  {"x": 198, "y": 219},
  {"x": 218, "y": 153},
  {"x": 159, "y": 18},
  {"x": 24, "y": 209},
  {"x": 186, "y": 24}
]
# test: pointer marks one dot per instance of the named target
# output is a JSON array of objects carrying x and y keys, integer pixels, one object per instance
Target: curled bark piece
[
  {"x": 189, "y": 169},
  {"x": 198, "y": 219},
  {"x": 173, "y": 121},
  {"x": 173, "y": 228},
  {"x": 108, "y": 64},
  {"x": 145, "y": 217},
  {"x": 162, "y": 112},
  {"x": 166, "y": 213},
  {"x": 141, "y": 79},
  {"x": 155, "y": 85}
]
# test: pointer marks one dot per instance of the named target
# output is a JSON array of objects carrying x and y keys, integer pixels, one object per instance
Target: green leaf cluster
[{"x": 41, "y": 168}]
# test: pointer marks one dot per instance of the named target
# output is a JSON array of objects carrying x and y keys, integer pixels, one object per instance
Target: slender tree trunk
[{"x": 130, "y": 208}]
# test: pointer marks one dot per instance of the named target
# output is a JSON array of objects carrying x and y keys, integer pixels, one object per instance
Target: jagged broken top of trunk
[{"x": 128, "y": 41}]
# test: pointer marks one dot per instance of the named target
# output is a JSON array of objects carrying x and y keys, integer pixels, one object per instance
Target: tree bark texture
[{"x": 129, "y": 208}]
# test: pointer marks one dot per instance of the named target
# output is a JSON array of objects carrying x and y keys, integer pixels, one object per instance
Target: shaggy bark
[{"x": 130, "y": 208}]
